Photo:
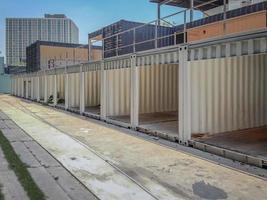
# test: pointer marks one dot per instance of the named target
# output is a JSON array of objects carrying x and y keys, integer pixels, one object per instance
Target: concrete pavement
[
  {"x": 53, "y": 179},
  {"x": 115, "y": 165}
]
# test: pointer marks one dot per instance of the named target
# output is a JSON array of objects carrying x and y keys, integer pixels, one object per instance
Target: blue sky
[{"x": 89, "y": 15}]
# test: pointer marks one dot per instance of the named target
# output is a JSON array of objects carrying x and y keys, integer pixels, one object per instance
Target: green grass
[
  {"x": 1, "y": 194},
  {"x": 20, "y": 169}
]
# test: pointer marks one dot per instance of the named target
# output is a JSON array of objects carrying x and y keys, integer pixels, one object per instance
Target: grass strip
[
  {"x": 20, "y": 169},
  {"x": 1, "y": 194}
]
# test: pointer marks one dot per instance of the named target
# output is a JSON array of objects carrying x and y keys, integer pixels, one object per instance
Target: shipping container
[{"x": 119, "y": 41}]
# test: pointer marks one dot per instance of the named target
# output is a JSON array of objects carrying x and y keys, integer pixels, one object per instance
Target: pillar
[
  {"x": 15, "y": 85},
  {"x": 45, "y": 88},
  {"x": 238, "y": 48},
  {"x": 103, "y": 101},
  {"x": 134, "y": 93},
  {"x": 158, "y": 14},
  {"x": 90, "y": 49},
  {"x": 250, "y": 47},
  {"x": 21, "y": 86},
  {"x": 55, "y": 90},
  {"x": 191, "y": 10},
  {"x": 66, "y": 89},
  {"x": 27, "y": 88},
  {"x": 82, "y": 90},
  {"x": 11, "y": 85},
  {"x": 184, "y": 96},
  {"x": 32, "y": 87},
  {"x": 38, "y": 87}
]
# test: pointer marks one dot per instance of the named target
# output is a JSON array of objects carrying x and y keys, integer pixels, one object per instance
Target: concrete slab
[
  {"x": 44, "y": 158},
  {"x": 168, "y": 128},
  {"x": 70, "y": 185},
  {"x": 158, "y": 117},
  {"x": 11, "y": 189},
  {"x": 93, "y": 109},
  {"x": 100, "y": 177},
  {"x": 163, "y": 172},
  {"x": 123, "y": 118},
  {"x": 250, "y": 141},
  {"x": 25, "y": 155},
  {"x": 16, "y": 135},
  {"x": 10, "y": 124},
  {"x": 48, "y": 184}
]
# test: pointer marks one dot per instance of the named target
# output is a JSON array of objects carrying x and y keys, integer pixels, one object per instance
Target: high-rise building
[{"x": 22, "y": 32}]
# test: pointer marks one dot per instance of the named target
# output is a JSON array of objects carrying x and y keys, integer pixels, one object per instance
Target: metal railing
[{"x": 156, "y": 38}]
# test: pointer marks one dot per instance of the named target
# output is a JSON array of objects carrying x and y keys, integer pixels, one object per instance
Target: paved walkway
[
  {"x": 54, "y": 180},
  {"x": 10, "y": 186},
  {"x": 115, "y": 165}
]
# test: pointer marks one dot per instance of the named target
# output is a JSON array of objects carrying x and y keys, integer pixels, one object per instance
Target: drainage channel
[{"x": 226, "y": 153}]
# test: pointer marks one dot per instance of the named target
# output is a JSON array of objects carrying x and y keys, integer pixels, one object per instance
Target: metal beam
[
  {"x": 55, "y": 90},
  {"x": 184, "y": 96},
  {"x": 38, "y": 87},
  {"x": 82, "y": 90},
  {"x": 45, "y": 88},
  {"x": 134, "y": 93},
  {"x": 191, "y": 10},
  {"x": 103, "y": 100},
  {"x": 66, "y": 76}
]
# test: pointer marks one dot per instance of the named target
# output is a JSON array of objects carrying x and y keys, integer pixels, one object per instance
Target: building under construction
[{"x": 201, "y": 83}]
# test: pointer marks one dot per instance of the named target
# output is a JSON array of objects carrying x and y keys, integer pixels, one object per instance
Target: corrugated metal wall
[
  {"x": 74, "y": 90},
  {"x": 42, "y": 87},
  {"x": 50, "y": 85},
  {"x": 158, "y": 88},
  {"x": 92, "y": 88},
  {"x": 228, "y": 93},
  {"x": 118, "y": 91},
  {"x": 61, "y": 85},
  {"x": 35, "y": 89}
]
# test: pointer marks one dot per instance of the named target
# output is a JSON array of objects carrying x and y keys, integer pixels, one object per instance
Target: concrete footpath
[
  {"x": 53, "y": 179},
  {"x": 115, "y": 165}
]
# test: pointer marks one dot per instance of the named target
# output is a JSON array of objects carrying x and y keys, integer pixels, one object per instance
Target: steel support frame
[
  {"x": 191, "y": 10},
  {"x": 82, "y": 90},
  {"x": 55, "y": 90},
  {"x": 32, "y": 87},
  {"x": 66, "y": 77},
  {"x": 21, "y": 86},
  {"x": 45, "y": 87},
  {"x": 38, "y": 88},
  {"x": 27, "y": 88},
  {"x": 134, "y": 93},
  {"x": 184, "y": 96},
  {"x": 103, "y": 95}
]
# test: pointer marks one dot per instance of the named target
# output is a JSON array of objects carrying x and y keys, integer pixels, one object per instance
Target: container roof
[{"x": 186, "y": 3}]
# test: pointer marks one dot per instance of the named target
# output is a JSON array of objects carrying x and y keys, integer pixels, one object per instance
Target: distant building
[
  {"x": 21, "y": 32},
  {"x": 46, "y": 55}
]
